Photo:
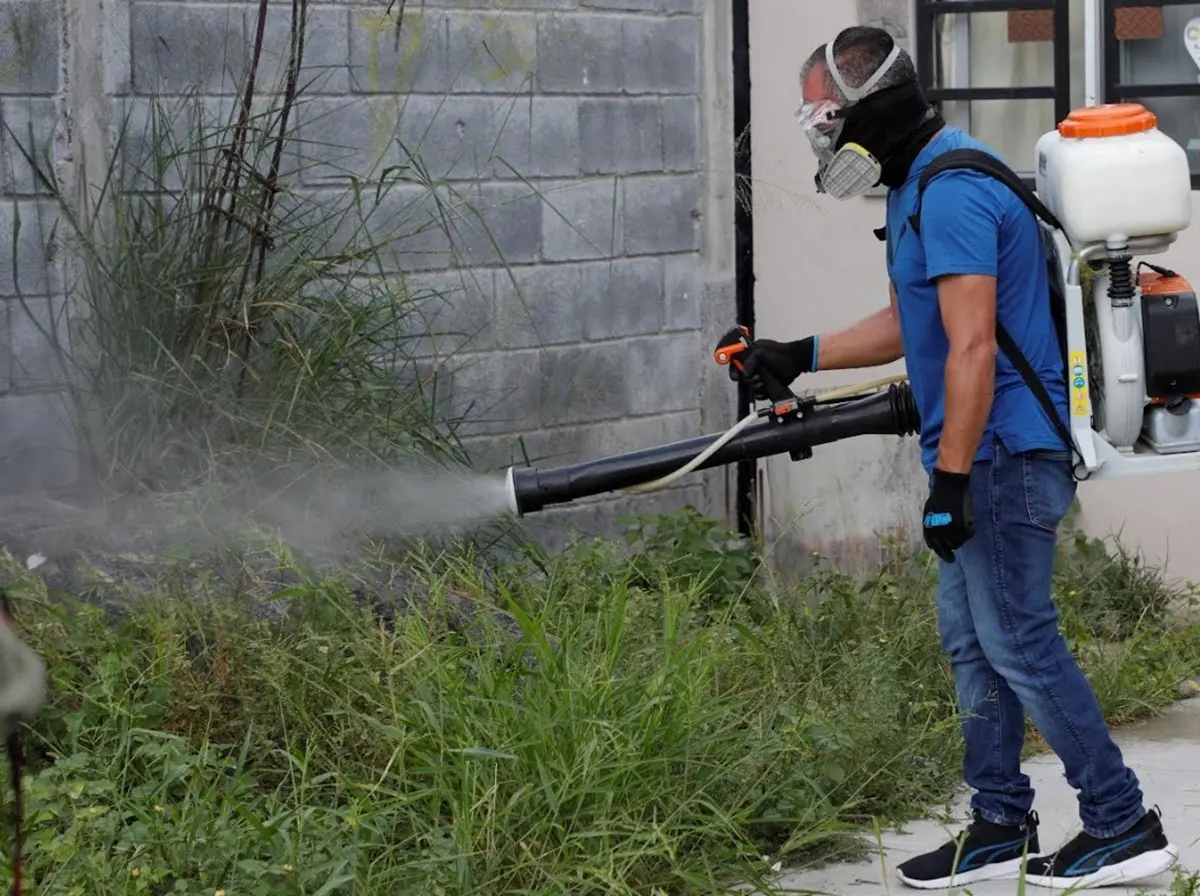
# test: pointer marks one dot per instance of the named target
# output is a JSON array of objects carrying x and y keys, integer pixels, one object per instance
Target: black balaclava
[{"x": 893, "y": 124}]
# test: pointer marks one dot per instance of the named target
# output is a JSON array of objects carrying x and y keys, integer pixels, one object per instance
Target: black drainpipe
[{"x": 743, "y": 223}]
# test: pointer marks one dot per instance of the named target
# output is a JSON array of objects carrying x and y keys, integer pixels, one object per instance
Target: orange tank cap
[{"x": 1108, "y": 120}]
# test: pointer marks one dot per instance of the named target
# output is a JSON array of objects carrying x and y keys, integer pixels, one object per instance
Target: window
[
  {"x": 1007, "y": 71},
  {"x": 1152, "y": 57},
  {"x": 1001, "y": 69}
]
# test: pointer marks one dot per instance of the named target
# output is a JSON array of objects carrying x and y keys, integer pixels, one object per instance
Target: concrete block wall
[{"x": 594, "y": 138}]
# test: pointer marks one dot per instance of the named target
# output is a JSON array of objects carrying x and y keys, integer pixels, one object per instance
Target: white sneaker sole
[
  {"x": 1148, "y": 864},
  {"x": 996, "y": 871}
]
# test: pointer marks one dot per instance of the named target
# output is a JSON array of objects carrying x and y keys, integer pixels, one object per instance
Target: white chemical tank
[{"x": 1108, "y": 171}]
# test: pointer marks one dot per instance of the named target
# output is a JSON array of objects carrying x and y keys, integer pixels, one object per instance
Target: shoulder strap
[{"x": 986, "y": 163}]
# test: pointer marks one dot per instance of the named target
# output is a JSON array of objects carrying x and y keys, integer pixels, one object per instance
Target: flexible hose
[{"x": 852, "y": 391}]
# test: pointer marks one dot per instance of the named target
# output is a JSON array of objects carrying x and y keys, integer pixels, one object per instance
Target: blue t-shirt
[{"x": 973, "y": 224}]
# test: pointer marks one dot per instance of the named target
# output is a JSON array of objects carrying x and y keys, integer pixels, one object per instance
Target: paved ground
[{"x": 1165, "y": 753}]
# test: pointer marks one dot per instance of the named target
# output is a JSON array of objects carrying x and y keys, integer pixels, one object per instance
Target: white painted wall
[{"x": 819, "y": 267}]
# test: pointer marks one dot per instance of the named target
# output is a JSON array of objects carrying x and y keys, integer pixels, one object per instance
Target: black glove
[
  {"x": 783, "y": 360},
  {"x": 949, "y": 520}
]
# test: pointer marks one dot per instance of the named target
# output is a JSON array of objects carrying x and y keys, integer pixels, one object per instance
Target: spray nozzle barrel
[{"x": 890, "y": 412}]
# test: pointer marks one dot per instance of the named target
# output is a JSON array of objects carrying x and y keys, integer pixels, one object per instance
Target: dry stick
[
  {"x": 260, "y": 238},
  {"x": 234, "y": 158}
]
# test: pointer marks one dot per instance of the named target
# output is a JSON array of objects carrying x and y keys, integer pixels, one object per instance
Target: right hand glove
[{"x": 784, "y": 360}]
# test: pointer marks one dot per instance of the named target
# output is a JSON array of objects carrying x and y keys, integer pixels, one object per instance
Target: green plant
[
  {"x": 689, "y": 548},
  {"x": 1110, "y": 588}
]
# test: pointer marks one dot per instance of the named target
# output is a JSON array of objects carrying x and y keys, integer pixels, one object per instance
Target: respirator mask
[{"x": 845, "y": 167}]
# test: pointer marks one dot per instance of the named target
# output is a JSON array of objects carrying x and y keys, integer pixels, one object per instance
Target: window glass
[
  {"x": 1010, "y": 127},
  {"x": 1153, "y": 44}
]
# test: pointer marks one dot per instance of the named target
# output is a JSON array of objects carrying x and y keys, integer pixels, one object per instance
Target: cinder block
[
  {"x": 30, "y": 46},
  {"x": 496, "y": 224},
  {"x": 661, "y": 214},
  {"x": 662, "y": 55},
  {"x": 217, "y": 118},
  {"x": 452, "y": 311},
  {"x": 406, "y": 229},
  {"x": 684, "y": 291},
  {"x": 178, "y": 48},
  {"x": 661, "y": 6},
  {"x": 28, "y": 124},
  {"x": 621, "y": 136},
  {"x": 492, "y": 51},
  {"x": 681, "y": 133},
  {"x": 554, "y": 141},
  {"x": 38, "y": 338},
  {"x": 584, "y": 382},
  {"x": 579, "y": 54},
  {"x": 622, "y": 297},
  {"x": 582, "y": 220},
  {"x": 153, "y": 131},
  {"x": 572, "y": 444},
  {"x": 663, "y": 372},
  {"x": 346, "y": 136},
  {"x": 38, "y": 448},
  {"x": 34, "y": 272},
  {"x": 325, "y": 64},
  {"x": 397, "y": 54},
  {"x": 503, "y": 4},
  {"x": 540, "y": 305},
  {"x": 497, "y": 392}
]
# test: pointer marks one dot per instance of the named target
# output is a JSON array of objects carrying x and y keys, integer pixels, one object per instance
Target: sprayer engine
[{"x": 1121, "y": 189}]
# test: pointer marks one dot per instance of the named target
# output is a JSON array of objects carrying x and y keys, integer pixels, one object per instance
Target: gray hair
[{"x": 858, "y": 52}]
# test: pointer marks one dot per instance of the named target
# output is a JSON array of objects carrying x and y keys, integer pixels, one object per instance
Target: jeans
[{"x": 999, "y": 625}]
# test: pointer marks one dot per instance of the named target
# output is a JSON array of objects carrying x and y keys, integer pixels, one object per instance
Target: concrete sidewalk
[{"x": 1165, "y": 753}]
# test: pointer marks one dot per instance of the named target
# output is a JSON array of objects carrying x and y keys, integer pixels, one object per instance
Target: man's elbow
[{"x": 975, "y": 349}]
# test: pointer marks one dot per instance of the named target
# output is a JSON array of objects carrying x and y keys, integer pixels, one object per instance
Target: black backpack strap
[
  {"x": 986, "y": 163},
  {"x": 1009, "y": 347}
]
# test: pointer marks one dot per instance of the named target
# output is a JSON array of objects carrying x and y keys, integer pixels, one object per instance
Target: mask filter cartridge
[{"x": 851, "y": 172}]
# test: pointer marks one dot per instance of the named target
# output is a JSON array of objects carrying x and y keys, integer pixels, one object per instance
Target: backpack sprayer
[{"x": 1111, "y": 186}]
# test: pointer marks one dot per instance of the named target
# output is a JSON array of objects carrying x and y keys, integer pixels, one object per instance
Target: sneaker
[
  {"x": 1086, "y": 861},
  {"x": 985, "y": 851}
]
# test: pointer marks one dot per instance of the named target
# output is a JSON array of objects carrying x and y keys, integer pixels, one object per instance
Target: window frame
[
  {"x": 1112, "y": 90},
  {"x": 926, "y": 13}
]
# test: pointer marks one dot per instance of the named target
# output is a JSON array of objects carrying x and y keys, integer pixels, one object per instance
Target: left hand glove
[
  {"x": 23, "y": 687},
  {"x": 949, "y": 520}
]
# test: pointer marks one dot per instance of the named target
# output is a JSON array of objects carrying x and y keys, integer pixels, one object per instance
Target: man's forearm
[
  {"x": 970, "y": 381},
  {"x": 873, "y": 341}
]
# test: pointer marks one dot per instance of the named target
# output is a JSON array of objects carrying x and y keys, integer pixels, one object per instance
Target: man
[{"x": 1000, "y": 480}]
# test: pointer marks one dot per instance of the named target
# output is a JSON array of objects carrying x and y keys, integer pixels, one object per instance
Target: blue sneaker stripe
[
  {"x": 1077, "y": 867},
  {"x": 988, "y": 853}
]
